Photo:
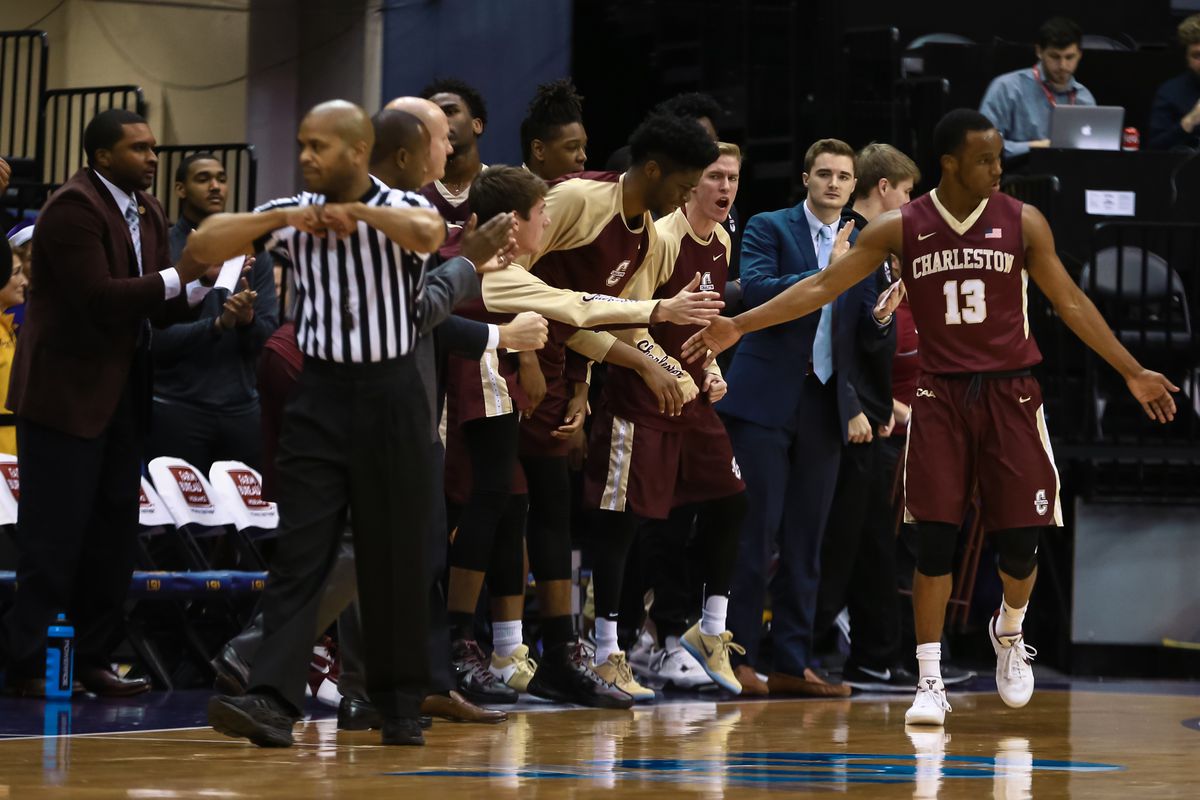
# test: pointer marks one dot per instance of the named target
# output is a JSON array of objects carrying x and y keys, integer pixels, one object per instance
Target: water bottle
[{"x": 60, "y": 658}]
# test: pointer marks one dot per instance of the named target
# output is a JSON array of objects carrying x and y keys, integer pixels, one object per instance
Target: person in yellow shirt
[{"x": 12, "y": 293}]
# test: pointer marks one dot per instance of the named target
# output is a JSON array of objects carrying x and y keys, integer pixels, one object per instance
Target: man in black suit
[
  {"x": 81, "y": 391},
  {"x": 858, "y": 563}
]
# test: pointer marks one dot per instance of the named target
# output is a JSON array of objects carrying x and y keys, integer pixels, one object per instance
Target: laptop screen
[{"x": 1087, "y": 127}]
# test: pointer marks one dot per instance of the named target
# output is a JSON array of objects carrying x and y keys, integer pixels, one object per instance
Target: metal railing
[
  {"x": 23, "y": 64},
  {"x": 64, "y": 116},
  {"x": 241, "y": 168}
]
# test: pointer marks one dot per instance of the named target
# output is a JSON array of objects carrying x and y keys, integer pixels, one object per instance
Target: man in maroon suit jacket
[{"x": 81, "y": 391}]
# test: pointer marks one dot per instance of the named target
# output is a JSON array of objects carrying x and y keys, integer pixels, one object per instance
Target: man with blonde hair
[{"x": 1175, "y": 116}]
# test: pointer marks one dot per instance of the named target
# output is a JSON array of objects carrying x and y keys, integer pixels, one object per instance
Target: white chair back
[
  {"x": 152, "y": 511},
  {"x": 187, "y": 494},
  {"x": 239, "y": 490},
  {"x": 10, "y": 492}
]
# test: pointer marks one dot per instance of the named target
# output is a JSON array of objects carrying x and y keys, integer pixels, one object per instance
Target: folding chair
[
  {"x": 189, "y": 498},
  {"x": 238, "y": 489}
]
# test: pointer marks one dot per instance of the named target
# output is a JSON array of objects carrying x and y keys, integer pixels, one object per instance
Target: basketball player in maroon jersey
[
  {"x": 966, "y": 254},
  {"x": 666, "y": 470},
  {"x": 467, "y": 113}
]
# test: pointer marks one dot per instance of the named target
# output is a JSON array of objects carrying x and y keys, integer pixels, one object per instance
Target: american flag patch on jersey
[{"x": 993, "y": 233}]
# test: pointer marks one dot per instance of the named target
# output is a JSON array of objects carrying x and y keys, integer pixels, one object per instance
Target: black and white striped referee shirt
[{"x": 356, "y": 298}]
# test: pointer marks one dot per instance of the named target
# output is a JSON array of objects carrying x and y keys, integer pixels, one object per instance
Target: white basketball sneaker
[
  {"x": 1014, "y": 666},
  {"x": 930, "y": 705}
]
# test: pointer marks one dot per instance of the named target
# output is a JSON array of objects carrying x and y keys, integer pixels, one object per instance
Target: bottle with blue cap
[{"x": 60, "y": 658}]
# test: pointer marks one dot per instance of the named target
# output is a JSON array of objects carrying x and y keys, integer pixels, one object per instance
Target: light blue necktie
[
  {"x": 822, "y": 356},
  {"x": 135, "y": 232}
]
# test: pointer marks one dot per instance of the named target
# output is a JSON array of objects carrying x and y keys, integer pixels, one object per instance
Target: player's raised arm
[
  {"x": 1151, "y": 389},
  {"x": 876, "y": 243}
]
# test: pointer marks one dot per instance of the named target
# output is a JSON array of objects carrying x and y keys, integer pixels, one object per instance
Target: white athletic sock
[
  {"x": 506, "y": 637},
  {"x": 712, "y": 623},
  {"x": 606, "y": 639},
  {"x": 1010, "y": 619},
  {"x": 672, "y": 644},
  {"x": 929, "y": 660}
]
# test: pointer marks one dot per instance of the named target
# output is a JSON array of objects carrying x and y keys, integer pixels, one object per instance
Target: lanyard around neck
[{"x": 1037, "y": 76}]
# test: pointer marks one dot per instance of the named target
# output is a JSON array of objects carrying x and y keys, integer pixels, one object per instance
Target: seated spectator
[
  {"x": 1019, "y": 103},
  {"x": 12, "y": 293},
  {"x": 205, "y": 398},
  {"x": 1175, "y": 116},
  {"x": 20, "y": 238}
]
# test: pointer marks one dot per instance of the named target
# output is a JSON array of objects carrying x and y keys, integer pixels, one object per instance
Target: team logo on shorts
[
  {"x": 617, "y": 274},
  {"x": 926, "y": 393},
  {"x": 737, "y": 471},
  {"x": 1040, "y": 504},
  {"x": 706, "y": 283}
]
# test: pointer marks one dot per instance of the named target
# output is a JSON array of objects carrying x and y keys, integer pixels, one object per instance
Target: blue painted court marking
[
  {"x": 773, "y": 769},
  {"x": 1193, "y": 723}
]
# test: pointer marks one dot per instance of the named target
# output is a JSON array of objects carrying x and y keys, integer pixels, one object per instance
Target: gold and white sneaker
[
  {"x": 617, "y": 672},
  {"x": 516, "y": 670},
  {"x": 713, "y": 654}
]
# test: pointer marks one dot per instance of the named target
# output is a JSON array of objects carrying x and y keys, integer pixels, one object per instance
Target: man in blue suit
[{"x": 789, "y": 410}]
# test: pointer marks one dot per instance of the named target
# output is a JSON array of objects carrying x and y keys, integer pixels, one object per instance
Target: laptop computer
[{"x": 1087, "y": 127}]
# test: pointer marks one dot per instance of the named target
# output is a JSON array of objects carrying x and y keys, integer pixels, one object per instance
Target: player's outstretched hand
[
  {"x": 489, "y": 246},
  {"x": 721, "y": 334},
  {"x": 1153, "y": 391},
  {"x": 689, "y": 307}
]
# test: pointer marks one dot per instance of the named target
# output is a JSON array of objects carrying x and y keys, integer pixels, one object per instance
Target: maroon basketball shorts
[
  {"x": 648, "y": 470},
  {"x": 535, "y": 434},
  {"x": 475, "y": 390},
  {"x": 987, "y": 434},
  {"x": 487, "y": 387}
]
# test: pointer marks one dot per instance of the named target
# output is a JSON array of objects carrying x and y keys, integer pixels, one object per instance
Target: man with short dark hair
[
  {"x": 553, "y": 139},
  {"x": 205, "y": 395},
  {"x": 1175, "y": 116},
  {"x": 467, "y": 113},
  {"x": 80, "y": 390},
  {"x": 1020, "y": 102}
]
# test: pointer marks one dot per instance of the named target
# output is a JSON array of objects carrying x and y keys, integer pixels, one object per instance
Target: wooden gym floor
[{"x": 1081, "y": 740}]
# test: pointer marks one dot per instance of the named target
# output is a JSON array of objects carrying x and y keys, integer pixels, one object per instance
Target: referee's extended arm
[
  {"x": 223, "y": 236},
  {"x": 421, "y": 230}
]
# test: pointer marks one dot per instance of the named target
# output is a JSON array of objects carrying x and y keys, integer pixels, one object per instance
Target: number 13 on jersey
[{"x": 973, "y": 307}]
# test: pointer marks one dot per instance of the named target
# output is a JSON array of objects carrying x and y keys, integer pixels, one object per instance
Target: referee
[{"x": 356, "y": 436}]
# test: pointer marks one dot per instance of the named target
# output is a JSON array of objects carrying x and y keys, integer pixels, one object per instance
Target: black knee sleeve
[
  {"x": 936, "y": 543},
  {"x": 506, "y": 573},
  {"x": 613, "y": 535},
  {"x": 492, "y": 446},
  {"x": 720, "y": 526},
  {"x": 549, "y": 531},
  {"x": 1016, "y": 551}
]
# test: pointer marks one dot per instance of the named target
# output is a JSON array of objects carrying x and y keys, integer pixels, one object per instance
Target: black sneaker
[
  {"x": 952, "y": 675},
  {"x": 563, "y": 676},
  {"x": 403, "y": 731},
  {"x": 256, "y": 717},
  {"x": 474, "y": 678},
  {"x": 891, "y": 679}
]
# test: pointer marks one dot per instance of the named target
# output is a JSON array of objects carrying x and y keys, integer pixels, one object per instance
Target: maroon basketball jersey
[
  {"x": 967, "y": 286},
  {"x": 455, "y": 214},
  {"x": 685, "y": 256},
  {"x": 589, "y": 247}
]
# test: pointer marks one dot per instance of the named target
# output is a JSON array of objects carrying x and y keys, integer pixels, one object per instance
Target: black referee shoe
[
  {"x": 563, "y": 676},
  {"x": 403, "y": 731},
  {"x": 257, "y": 717},
  {"x": 891, "y": 679}
]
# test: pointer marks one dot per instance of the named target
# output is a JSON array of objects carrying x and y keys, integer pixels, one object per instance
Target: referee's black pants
[{"x": 357, "y": 437}]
